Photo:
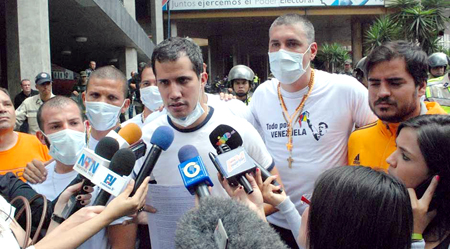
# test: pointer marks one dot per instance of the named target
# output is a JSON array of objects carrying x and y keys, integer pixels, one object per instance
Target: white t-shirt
[
  {"x": 138, "y": 118},
  {"x": 234, "y": 106},
  {"x": 166, "y": 169},
  {"x": 335, "y": 105},
  {"x": 55, "y": 182}
]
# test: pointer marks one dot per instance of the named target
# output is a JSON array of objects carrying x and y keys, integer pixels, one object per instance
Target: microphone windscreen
[
  {"x": 131, "y": 133},
  {"x": 107, "y": 147},
  {"x": 187, "y": 152},
  {"x": 162, "y": 137},
  {"x": 225, "y": 134},
  {"x": 122, "y": 162},
  {"x": 244, "y": 228}
]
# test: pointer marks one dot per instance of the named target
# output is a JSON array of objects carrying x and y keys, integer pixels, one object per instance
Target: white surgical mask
[
  {"x": 287, "y": 66},
  {"x": 151, "y": 97},
  {"x": 102, "y": 116},
  {"x": 192, "y": 117},
  {"x": 66, "y": 145}
]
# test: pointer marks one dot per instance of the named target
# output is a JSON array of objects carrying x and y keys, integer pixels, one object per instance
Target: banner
[{"x": 247, "y": 4}]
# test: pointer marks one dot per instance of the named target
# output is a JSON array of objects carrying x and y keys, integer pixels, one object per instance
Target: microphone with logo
[
  {"x": 161, "y": 140},
  {"x": 122, "y": 163},
  {"x": 89, "y": 162},
  {"x": 225, "y": 139},
  {"x": 193, "y": 171}
]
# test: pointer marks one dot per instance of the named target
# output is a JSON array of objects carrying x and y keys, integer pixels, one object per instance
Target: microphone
[
  {"x": 127, "y": 135},
  {"x": 225, "y": 138},
  {"x": 193, "y": 172},
  {"x": 104, "y": 152},
  {"x": 200, "y": 227},
  {"x": 161, "y": 140},
  {"x": 139, "y": 148},
  {"x": 122, "y": 163}
]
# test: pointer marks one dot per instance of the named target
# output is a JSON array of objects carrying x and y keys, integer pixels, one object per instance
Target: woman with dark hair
[
  {"x": 351, "y": 207},
  {"x": 423, "y": 153}
]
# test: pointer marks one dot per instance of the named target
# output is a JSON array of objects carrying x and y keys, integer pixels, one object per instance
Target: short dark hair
[
  {"x": 415, "y": 58},
  {"x": 433, "y": 137},
  {"x": 358, "y": 207},
  {"x": 173, "y": 48},
  {"x": 111, "y": 73},
  {"x": 56, "y": 102},
  {"x": 291, "y": 19},
  {"x": 5, "y": 91}
]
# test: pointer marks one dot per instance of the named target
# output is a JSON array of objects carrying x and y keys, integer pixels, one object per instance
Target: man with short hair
[
  {"x": 397, "y": 78},
  {"x": 28, "y": 109},
  {"x": 289, "y": 107},
  {"x": 64, "y": 133},
  {"x": 348, "y": 68},
  {"x": 26, "y": 92},
  {"x": 92, "y": 66},
  {"x": 178, "y": 67},
  {"x": 16, "y": 148}
]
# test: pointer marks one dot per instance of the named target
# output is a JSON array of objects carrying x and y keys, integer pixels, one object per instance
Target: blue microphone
[{"x": 193, "y": 171}]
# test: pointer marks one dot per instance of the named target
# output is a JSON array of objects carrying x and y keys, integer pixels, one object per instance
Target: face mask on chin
[
  {"x": 102, "y": 116},
  {"x": 66, "y": 145},
  {"x": 191, "y": 117},
  {"x": 287, "y": 66}
]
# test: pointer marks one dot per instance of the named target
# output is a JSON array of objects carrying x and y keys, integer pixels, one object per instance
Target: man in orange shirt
[
  {"x": 16, "y": 148},
  {"x": 397, "y": 79}
]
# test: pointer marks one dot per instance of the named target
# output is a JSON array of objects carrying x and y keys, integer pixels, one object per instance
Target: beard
[{"x": 401, "y": 114}]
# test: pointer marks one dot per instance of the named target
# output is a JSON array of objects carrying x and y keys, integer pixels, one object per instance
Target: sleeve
[
  {"x": 361, "y": 112},
  {"x": 255, "y": 147},
  {"x": 21, "y": 115},
  {"x": 290, "y": 213},
  {"x": 420, "y": 244},
  {"x": 254, "y": 120}
]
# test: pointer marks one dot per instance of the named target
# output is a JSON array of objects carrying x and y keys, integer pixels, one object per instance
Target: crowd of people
[{"x": 370, "y": 152}]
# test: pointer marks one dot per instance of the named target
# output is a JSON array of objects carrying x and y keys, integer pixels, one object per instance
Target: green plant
[
  {"x": 382, "y": 30},
  {"x": 334, "y": 56}
]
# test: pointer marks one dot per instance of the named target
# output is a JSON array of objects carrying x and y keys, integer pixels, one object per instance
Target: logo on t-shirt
[{"x": 356, "y": 160}]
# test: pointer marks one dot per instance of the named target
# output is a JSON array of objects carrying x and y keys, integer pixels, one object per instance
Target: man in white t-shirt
[
  {"x": 64, "y": 134},
  {"x": 178, "y": 66},
  {"x": 306, "y": 115}
]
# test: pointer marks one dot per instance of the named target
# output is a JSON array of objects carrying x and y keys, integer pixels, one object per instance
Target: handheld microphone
[
  {"x": 193, "y": 172},
  {"x": 122, "y": 163},
  {"x": 225, "y": 138},
  {"x": 161, "y": 140},
  {"x": 139, "y": 148},
  {"x": 105, "y": 149},
  {"x": 127, "y": 135}
]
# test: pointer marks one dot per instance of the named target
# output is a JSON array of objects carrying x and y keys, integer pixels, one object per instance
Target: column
[
  {"x": 356, "y": 40},
  {"x": 128, "y": 61},
  {"x": 130, "y": 7},
  {"x": 157, "y": 21}
]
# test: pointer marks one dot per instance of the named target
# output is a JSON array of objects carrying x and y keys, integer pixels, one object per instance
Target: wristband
[
  {"x": 58, "y": 219},
  {"x": 417, "y": 236}
]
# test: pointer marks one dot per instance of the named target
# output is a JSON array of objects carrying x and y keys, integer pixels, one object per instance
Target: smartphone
[{"x": 420, "y": 190}]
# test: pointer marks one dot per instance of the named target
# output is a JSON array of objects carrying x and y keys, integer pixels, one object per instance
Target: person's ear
[
  {"x": 42, "y": 138},
  {"x": 421, "y": 89},
  {"x": 125, "y": 106},
  {"x": 313, "y": 50}
]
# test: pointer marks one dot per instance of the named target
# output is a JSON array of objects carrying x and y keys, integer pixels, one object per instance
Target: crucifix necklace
[{"x": 291, "y": 120}]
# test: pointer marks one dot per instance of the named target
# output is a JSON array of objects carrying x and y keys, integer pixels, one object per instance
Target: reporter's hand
[
  {"x": 35, "y": 171},
  {"x": 124, "y": 205},
  {"x": 269, "y": 191},
  {"x": 140, "y": 217},
  {"x": 65, "y": 196},
  {"x": 82, "y": 215},
  {"x": 422, "y": 217}
]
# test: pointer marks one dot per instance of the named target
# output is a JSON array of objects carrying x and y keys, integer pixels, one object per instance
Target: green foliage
[
  {"x": 420, "y": 21},
  {"x": 334, "y": 56}
]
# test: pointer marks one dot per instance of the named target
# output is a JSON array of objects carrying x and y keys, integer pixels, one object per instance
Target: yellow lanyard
[{"x": 291, "y": 120}]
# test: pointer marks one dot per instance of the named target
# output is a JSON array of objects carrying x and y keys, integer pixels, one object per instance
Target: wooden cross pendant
[
  {"x": 289, "y": 146},
  {"x": 290, "y": 160}
]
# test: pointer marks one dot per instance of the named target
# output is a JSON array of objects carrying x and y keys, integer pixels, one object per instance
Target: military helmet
[
  {"x": 361, "y": 65},
  {"x": 241, "y": 72},
  {"x": 438, "y": 59}
]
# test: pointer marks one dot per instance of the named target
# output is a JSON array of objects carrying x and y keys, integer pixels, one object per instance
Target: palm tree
[
  {"x": 334, "y": 56},
  {"x": 382, "y": 30}
]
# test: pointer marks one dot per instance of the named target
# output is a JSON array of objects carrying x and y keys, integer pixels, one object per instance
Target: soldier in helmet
[
  {"x": 241, "y": 78},
  {"x": 358, "y": 73},
  {"x": 437, "y": 64}
]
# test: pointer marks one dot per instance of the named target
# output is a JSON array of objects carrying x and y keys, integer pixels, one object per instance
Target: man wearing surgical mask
[
  {"x": 289, "y": 108},
  {"x": 64, "y": 133},
  {"x": 150, "y": 97}
]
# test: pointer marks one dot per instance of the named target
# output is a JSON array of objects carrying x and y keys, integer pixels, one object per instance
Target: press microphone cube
[
  {"x": 234, "y": 165},
  {"x": 193, "y": 172}
]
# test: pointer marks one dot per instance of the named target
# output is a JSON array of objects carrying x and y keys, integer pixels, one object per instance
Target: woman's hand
[
  {"x": 420, "y": 207},
  {"x": 72, "y": 190},
  {"x": 269, "y": 191},
  {"x": 124, "y": 205}
]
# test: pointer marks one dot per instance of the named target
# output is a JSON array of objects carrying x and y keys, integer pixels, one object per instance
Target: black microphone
[
  {"x": 161, "y": 140},
  {"x": 193, "y": 171},
  {"x": 225, "y": 138},
  {"x": 106, "y": 148},
  {"x": 122, "y": 163}
]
